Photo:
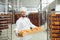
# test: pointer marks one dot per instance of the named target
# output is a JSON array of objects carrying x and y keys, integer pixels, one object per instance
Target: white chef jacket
[{"x": 24, "y": 23}]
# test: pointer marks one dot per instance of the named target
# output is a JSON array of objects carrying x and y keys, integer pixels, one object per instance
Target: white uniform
[{"x": 24, "y": 23}]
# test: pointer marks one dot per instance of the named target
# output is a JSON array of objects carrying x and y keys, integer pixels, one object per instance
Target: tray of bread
[
  {"x": 30, "y": 31},
  {"x": 55, "y": 39},
  {"x": 54, "y": 35},
  {"x": 55, "y": 22},
  {"x": 53, "y": 31}
]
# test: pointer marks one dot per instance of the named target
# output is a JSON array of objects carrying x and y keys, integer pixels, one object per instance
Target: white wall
[
  {"x": 50, "y": 6},
  {"x": 30, "y": 4}
]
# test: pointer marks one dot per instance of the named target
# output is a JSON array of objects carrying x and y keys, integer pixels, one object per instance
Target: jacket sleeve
[
  {"x": 18, "y": 26},
  {"x": 31, "y": 25}
]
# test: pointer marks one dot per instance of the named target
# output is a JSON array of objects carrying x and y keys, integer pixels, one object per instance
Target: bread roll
[{"x": 55, "y": 31}]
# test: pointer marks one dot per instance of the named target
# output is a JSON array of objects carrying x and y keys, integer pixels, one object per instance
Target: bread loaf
[{"x": 30, "y": 31}]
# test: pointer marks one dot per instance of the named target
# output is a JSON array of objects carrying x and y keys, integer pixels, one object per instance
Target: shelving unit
[
  {"x": 54, "y": 26},
  {"x": 6, "y": 26}
]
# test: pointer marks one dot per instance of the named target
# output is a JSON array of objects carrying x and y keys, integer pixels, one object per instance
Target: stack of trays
[
  {"x": 35, "y": 18},
  {"x": 5, "y": 19},
  {"x": 55, "y": 26},
  {"x": 3, "y": 26},
  {"x": 30, "y": 31}
]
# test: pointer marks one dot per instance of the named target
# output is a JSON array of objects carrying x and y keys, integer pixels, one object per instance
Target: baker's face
[{"x": 23, "y": 13}]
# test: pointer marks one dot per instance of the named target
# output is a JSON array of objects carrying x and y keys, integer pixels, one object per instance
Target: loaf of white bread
[{"x": 30, "y": 31}]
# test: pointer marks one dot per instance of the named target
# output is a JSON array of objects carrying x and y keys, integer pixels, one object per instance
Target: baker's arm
[
  {"x": 18, "y": 27},
  {"x": 31, "y": 25}
]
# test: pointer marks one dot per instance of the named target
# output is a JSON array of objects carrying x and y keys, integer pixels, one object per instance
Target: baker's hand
[{"x": 16, "y": 32}]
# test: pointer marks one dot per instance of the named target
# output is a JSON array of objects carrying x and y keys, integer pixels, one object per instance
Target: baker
[{"x": 23, "y": 23}]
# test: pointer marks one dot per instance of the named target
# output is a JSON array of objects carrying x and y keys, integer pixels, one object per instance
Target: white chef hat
[{"x": 23, "y": 9}]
